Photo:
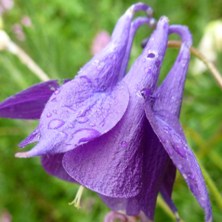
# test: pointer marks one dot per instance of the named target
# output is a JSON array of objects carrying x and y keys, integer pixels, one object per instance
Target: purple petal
[
  {"x": 145, "y": 71},
  {"x": 32, "y": 138},
  {"x": 163, "y": 117},
  {"x": 169, "y": 178},
  {"x": 167, "y": 186},
  {"x": 85, "y": 108},
  {"x": 182, "y": 157},
  {"x": 81, "y": 117},
  {"x": 53, "y": 165},
  {"x": 168, "y": 97},
  {"x": 127, "y": 173},
  {"x": 155, "y": 163},
  {"x": 28, "y": 104},
  {"x": 133, "y": 29},
  {"x": 110, "y": 165}
]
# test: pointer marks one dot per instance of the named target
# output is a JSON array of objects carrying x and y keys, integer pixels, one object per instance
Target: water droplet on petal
[
  {"x": 82, "y": 119},
  {"x": 55, "y": 124},
  {"x": 57, "y": 92},
  {"x": 48, "y": 115},
  {"x": 54, "y": 111},
  {"x": 52, "y": 88},
  {"x": 151, "y": 55},
  {"x": 86, "y": 134},
  {"x": 124, "y": 144}
]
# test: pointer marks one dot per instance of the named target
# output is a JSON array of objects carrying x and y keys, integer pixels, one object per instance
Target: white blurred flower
[
  {"x": 210, "y": 45},
  {"x": 4, "y": 40}
]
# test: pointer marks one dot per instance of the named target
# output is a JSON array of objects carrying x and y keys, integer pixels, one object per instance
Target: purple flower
[{"x": 118, "y": 135}]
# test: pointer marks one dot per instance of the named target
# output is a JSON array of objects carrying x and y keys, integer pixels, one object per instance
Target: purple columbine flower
[{"x": 118, "y": 135}]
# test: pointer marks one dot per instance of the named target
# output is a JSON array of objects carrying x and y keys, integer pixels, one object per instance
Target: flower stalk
[{"x": 7, "y": 44}]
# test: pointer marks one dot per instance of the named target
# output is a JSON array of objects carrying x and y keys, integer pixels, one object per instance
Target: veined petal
[
  {"x": 111, "y": 164},
  {"x": 167, "y": 187},
  {"x": 169, "y": 95},
  {"x": 133, "y": 29},
  {"x": 68, "y": 125},
  {"x": 183, "y": 158},
  {"x": 127, "y": 174},
  {"x": 32, "y": 138},
  {"x": 29, "y": 103},
  {"x": 145, "y": 71},
  {"x": 163, "y": 115}
]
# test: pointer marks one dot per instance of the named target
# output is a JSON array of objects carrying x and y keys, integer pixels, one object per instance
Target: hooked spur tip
[
  {"x": 141, "y": 7},
  {"x": 149, "y": 12},
  {"x": 163, "y": 20}
]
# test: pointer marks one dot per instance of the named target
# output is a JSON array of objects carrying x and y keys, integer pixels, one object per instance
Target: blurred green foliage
[{"x": 59, "y": 40}]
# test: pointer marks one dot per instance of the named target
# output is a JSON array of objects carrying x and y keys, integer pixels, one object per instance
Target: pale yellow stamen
[{"x": 77, "y": 199}]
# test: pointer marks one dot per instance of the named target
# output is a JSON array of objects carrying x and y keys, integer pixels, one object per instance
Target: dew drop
[
  {"x": 101, "y": 65},
  {"x": 82, "y": 119},
  {"x": 54, "y": 111},
  {"x": 96, "y": 62},
  {"x": 86, "y": 134},
  {"x": 92, "y": 124},
  {"x": 57, "y": 92},
  {"x": 55, "y": 124},
  {"x": 52, "y": 88},
  {"x": 48, "y": 115},
  {"x": 124, "y": 144},
  {"x": 151, "y": 55}
]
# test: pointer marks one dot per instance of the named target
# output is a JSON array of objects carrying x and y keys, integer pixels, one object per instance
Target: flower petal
[
  {"x": 28, "y": 104},
  {"x": 32, "y": 138},
  {"x": 167, "y": 187},
  {"x": 169, "y": 95},
  {"x": 53, "y": 165},
  {"x": 65, "y": 125},
  {"x": 182, "y": 157},
  {"x": 108, "y": 165},
  {"x": 145, "y": 70},
  {"x": 162, "y": 111},
  {"x": 126, "y": 173}
]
